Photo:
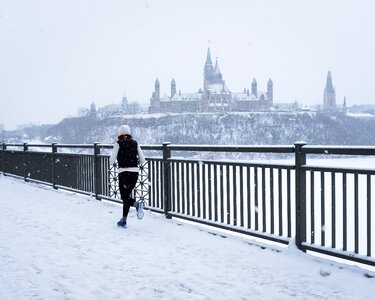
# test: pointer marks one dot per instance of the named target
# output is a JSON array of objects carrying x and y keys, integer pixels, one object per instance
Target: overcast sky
[{"x": 58, "y": 55}]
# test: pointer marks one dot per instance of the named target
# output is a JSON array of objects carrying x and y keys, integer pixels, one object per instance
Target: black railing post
[
  {"x": 54, "y": 151},
  {"x": 167, "y": 180},
  {"x": 97, "y": 177},
  {"x": 300, "y": 181},
  {"x": 25, "y": 148},
  {"x": 4, "y": 148}
]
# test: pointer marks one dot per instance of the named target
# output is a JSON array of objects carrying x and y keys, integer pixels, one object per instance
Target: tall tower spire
[
  {"x": 157, "y": 89},
  {"x": 208, "y": 57},
  {"x": 329, "y": 85},
  {"x": 155, "y": 98},
  {"x": 254, "y": 88},
  {"x": 329, "y": 97},
  {"x": 124, "y": 103},
  {"x": 217, "y": 77},
  {"x": 208, "y": 71},
  {"x": 173, "y": 87},
  {"x": 270, "y": 91}
]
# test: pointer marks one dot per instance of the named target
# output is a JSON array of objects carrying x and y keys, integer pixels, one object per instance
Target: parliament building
[{"x": 215, "y": 95}]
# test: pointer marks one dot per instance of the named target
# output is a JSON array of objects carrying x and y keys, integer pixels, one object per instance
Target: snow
[
  {"x": 59, "y": 245},
  {"x": 360, "y": 115}
]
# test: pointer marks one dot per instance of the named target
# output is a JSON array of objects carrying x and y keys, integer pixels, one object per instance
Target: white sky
[{"x": 57, "y": 56}]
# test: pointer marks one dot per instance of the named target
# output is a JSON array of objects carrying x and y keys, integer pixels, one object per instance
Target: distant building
[
  {"x": 215, "y": 95},
  {"x": 109, "y": 110},
  {"x": 133, "y": 108},
  {"x": 329, "y": 97},
  {"x": 82, "y": 111},
  {"x": 93, "y": 113},
  {"x": 2, "y": 127},
  {"x": 117, "y": 109},
  {"x": 124, "y": 104}
]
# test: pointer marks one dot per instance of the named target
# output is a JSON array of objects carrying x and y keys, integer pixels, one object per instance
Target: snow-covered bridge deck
[{"x": 58, "y": 245}]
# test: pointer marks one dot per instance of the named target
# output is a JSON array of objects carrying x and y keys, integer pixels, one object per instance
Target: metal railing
[
  {"x": 323, "y": 208},
  {"x": 338, "y": 214}
]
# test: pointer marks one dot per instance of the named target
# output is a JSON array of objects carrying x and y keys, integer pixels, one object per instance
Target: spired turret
[
  {"x": 270, "y": 91},
  {"x": 329, "y": 96},
  {"x": 217, "y": 76},
  {"x": 155, "y": 98},
  {"x": 254, "y": 88},
  {"x": 124, "y": 104},
  {"x": 157, "y": 89},
  {"x": 173, "y": 88},
  {"x": 208, "y": 71}
]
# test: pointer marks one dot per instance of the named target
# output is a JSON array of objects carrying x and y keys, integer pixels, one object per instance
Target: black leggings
[{"x": 127, "y": 181}]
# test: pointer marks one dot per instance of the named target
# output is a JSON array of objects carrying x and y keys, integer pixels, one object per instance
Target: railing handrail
[
  {"x": 236, "y": 148},
  {"x": 235, "y": 163},
  {"x": 109, "y": 146},
  {"x": 342, "y": 150},
  {"x": 339, "y": 169},
  {"x": 308, "y": 149}
]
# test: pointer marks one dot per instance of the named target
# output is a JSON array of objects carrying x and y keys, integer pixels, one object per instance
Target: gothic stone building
[
  {"x": 329, "y": 96},
  {"x": 215, "y": 95}
]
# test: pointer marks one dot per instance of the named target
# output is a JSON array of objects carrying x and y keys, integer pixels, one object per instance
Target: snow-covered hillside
[{"x": 257, "y": 128}]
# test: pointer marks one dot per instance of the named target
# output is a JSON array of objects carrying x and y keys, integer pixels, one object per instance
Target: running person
[{"x": 129, "y": 155}]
